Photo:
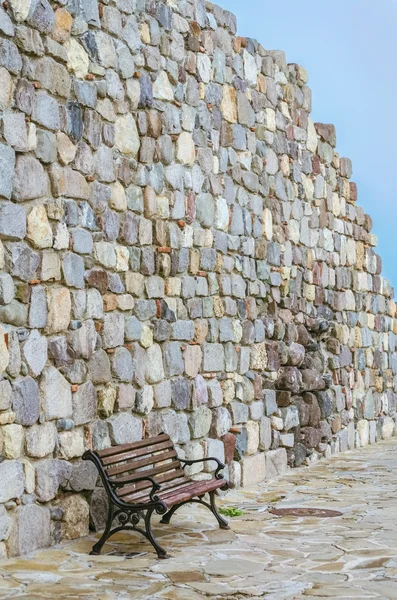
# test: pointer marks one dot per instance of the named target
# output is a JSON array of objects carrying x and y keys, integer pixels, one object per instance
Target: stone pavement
[{"x": 262, "y": 556}]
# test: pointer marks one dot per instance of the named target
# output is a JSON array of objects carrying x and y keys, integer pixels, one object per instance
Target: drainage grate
[{"x": 305, "y": 512}]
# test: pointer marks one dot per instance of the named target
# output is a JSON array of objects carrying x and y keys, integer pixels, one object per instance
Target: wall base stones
[{"x": 181, "y": 250}]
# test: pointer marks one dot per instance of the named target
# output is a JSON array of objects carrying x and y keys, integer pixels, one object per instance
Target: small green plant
[{"x": 231, "y": 512}]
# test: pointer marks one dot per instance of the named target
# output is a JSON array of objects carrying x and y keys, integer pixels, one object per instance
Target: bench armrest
[
  {"x": 112, "y": 484},
  {"x": 198, "y": 460},
  {"x": 155, "y": 486}
]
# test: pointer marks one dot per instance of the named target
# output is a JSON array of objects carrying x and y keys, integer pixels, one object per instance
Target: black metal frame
[{"x": 130, "y": 515}]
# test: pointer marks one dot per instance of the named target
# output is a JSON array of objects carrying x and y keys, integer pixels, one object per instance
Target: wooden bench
[{"x": 146, "y": 477}]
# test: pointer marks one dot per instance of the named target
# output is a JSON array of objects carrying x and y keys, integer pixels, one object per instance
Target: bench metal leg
[
  {"x": 223, "y": 524},
  {"x": 161, "y": 553},
  {"x": 97, "y": 548},
  {"x": 133, "y": 518},
  {"x": 167, "y": 517}
]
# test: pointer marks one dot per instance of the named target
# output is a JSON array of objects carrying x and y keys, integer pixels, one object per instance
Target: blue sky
[{"x": 349, "y": 48}]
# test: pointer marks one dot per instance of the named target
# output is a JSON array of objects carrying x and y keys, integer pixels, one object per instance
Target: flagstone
[{"x": 262, "y": 555}]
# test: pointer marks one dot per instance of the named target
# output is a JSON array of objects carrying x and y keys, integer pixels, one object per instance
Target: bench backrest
[{"x": 153, "y": 457}]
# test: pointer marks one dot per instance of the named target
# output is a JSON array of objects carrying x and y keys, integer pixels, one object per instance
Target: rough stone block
[
  {"x": 50, "y": 475},
  {"x": 30, "y": 529},
  {"x": 84, "y": 404},
  {"x": 26, "y": 400},
  {"x": 12, "y": 480},
  {"x": 57, "y": 395},
  {"x": 213, "y": 357},
  {"x": 124, "y": 428},
  {"x": 113, "y": 330},
  {"x": 59, "y": 309},
  {"x": 216, "y": 449},
  {"x": 200, "y": 422},
  {"x": 75, "y": 517},
  {"x": 40, "y": 440},
  {"x": 253, "y": 469},
  {"x": 71, "y": 443},
  {"x": 12, "y": 221},
  {"x": 276, "y": 462}
]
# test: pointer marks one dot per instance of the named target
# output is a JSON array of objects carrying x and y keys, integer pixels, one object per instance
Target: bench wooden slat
[
  {"x": 185, "y": 489},
  {"x": 181, "y": 482},
  {"x": 134, "y": 465},
  {"x": 169, "y": 467},
  {"x": 199, "y": 488},
  {"x": 125, "y": 447},
  {"x": 167, "y": 481},
  {"x": 141, "y": 490},
  {"x": 112, "y": 460}
]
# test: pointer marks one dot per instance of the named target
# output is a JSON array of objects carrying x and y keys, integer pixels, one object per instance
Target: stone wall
[{"x": 180, "y": 250}]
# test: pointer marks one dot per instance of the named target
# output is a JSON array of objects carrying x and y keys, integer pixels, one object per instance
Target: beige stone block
[
  {"x": 362, "y": 430},
  {"x": 13, "y": 436},
  {"x": 66, "y": 149},
  {"x": 229, "y": 104},
  {"x": 71, "y": 443},
  {"x": 59, "y": 309},
  {"x": 118, "y": 199},
  {"x": 388, "y": 428},
  {"x": 193, "y": 357},
  {"x": 39, "y": 231},
  {"x": 50, "y": 266},
  {"x": 75, "y": 519},
  {"x": 78, "y": 60},
  {"x": 253, "y": 469},
  {"x": 252, "y": 437},
  {"x": 106, "y": 400},
  {"x": 126, "y": 135},
  {"x": 276, "y": 463},
  {"x": 185, "y": 149}
]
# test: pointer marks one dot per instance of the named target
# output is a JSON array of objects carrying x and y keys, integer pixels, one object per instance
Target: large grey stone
[
  {"x": 113, "y": 330},
  {"x": 173, "y": 359},
  {"x": 122, "y": 364},
  {"x": 73, "y": 270},
  {"x": 57, "y": 395},
  {"x": 12, "y": 221},
  {"x": 124, "y": 428},
  {"x": 41, "y": 16},
  {"x": 45, "y": 111},
  {"x": 50, "y": 475},
  {"x": 82, "y": 341},
  {"x": 26, "y": 400},
  {"x": 99, "y": 367},
  {"x": 84, "y": 404},
  {"x": 84, "y": 476},
  {"x": 200, "y": 422},
  {"x": 5, "y": 394},
  {"x": 10, "y": 57},
  {"x": 38, "y": 308},
  {"x": 12, "y": 480},
  {"x": 31, "y": 529},
  {"x": 24, "y": 261},
  {"x": 35, "y": 352},
  {"x": 41, "y": 440},
  {"x": 7, "y": 288},
  {"x": 30, "y": 179},
  {"x": 7, "y": 165},
  {"x": 213, "y": 359}
]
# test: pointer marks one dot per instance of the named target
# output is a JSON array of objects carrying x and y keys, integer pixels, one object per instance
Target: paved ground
[{"x": 262, "y": 556}]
